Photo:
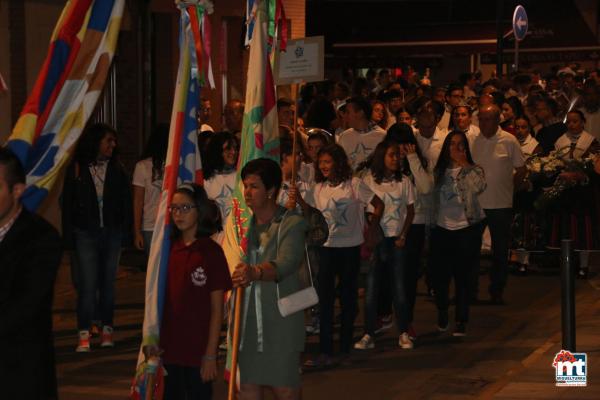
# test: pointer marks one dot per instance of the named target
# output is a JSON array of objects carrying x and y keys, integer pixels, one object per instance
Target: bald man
[
  {"x": 499, "y": 154},
  {"x": 234, "y": 116}
]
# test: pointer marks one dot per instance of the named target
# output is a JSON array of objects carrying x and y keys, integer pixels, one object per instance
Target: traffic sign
[{"x": 520, "y": 22}]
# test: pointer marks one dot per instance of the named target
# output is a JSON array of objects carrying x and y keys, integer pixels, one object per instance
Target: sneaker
[
  {"x": 320, "y": 362},
  {"x": 107, "y": 337},
  {"x": 412, "y": 334},
  {"x": 405, "y": 342},
  {"x": 442, "y": 325},
  {"x": 582, "y": 273},
  {"x": 383, "y": 324},
  {"x": 460, "y": 330},
  {"x": 83, "y": 346},
  {"x": 314, "y": 327},
  {"x": 95, "y": 329},
  {"x": 365, "y": 343},
  {"x": 522, "y": 269}
]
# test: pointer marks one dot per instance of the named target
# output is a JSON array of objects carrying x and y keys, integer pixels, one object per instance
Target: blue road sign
[{"x": 520, "y": 22}]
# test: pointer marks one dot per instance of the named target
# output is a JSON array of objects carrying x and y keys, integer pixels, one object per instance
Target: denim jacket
[{"x": 470, "y": 182}]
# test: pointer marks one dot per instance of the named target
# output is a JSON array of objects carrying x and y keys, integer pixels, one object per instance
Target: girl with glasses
[{"x": 197, "y": 277}]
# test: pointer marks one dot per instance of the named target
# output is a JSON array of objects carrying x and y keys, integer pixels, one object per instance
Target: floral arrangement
[{"x": 556, "y": 173}]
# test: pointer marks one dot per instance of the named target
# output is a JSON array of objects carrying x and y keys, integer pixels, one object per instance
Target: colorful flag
[
  {"x": 183, "y": 164},
  {"x": 260, "y": 133},
  {"x": 65, "y": 93}
]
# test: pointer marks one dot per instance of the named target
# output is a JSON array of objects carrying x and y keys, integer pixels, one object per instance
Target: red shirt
[{"x": 194, "y": 272}]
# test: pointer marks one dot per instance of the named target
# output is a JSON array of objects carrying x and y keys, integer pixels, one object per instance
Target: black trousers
[
  {"x": 499, "y": 221},
  {"x": 454, "y": 254},
  {"x": 344, "y": 263},
  {"x": 185, "y": 383},
  {"x": 415, "y": 241}
]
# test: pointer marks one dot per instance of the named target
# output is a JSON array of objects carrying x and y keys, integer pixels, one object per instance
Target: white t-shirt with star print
[
  {"x": 220, "y": 189},
  {"x": 451, "y": 213},
  {"x": 283, "y": 196},
  {"x": 396, "y": 196},
  {"x": 343, "y": 207},
  {"x": 358, "y": 146}
]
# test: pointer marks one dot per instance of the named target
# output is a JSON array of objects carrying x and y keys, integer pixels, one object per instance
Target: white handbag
[{"x": 301, "y": 299}]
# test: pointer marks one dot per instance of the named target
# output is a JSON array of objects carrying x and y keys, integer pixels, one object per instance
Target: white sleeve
[
  {"x": 410, "y": 190},
  {"x": 140, "y": 175},
  {"x": 518, "y": 158},
  {"x": 362, "y": 191}
]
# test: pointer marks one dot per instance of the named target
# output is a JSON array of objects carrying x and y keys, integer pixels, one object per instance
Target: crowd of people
[{"x": 390, "y": 172}]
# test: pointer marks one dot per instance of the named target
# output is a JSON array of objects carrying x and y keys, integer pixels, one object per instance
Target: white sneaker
[
  {"x": 365, "y": 343},
  {"x": 107, "y": 337},
  {"x": 405, "y": 342},
  {"x": 83, "y": 345}
]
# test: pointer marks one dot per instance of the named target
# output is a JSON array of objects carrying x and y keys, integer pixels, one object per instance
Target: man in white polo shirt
[
  {"x": 363, "y": 136},
  {"x": 430, "y": 137},
  {"x": 499, "y": 154}
]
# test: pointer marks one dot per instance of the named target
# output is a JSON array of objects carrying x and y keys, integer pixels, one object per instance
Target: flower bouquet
[{"x": 557, "y": 175}]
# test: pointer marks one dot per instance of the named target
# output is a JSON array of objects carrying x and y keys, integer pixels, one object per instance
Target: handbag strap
[{"x": 305, "y": 253}]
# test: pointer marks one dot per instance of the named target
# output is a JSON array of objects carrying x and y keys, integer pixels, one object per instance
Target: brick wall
[{"x": 18, "y": 58}]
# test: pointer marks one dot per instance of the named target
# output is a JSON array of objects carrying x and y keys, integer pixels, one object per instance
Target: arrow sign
[{"x": 520, "y": 23}]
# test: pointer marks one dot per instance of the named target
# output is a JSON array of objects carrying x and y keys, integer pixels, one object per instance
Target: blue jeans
[
  {"x": 98, "y": 252},
  {"x": 389, "y": 264}
]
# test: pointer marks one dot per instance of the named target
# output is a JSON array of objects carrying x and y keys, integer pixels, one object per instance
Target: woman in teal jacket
[{"x": 270, "y": 344}]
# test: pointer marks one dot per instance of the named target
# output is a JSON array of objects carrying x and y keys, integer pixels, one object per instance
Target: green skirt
[{"x": 269, "y": 369}]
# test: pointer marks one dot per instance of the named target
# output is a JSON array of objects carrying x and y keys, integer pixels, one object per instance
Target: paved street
[{"x": 507, "y": 354}]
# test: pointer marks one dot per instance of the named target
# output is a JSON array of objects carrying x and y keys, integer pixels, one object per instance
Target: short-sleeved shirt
[
  {"x": 194, "y": 272},
  {"x": 358, "y": 146},
  {"x": 343, "y": 207},
  {"x": 220, "y": 189},
  {"x": 142, "y": 177},
  {"x": 283, "y": 196},
  {"x": 431, "y": 147},
  {"x": 396, "y": 196},
  {"x": 498, "y": 156},
  {"x": 451, "y": 214}
]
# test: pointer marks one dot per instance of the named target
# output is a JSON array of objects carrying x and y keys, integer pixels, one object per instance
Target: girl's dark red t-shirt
[{"x": 194, "y": 272}]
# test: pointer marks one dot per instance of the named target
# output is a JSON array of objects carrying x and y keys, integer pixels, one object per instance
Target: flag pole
[
  {"x": 294, "y": 133},
  {"x": 235, "y": 345}
]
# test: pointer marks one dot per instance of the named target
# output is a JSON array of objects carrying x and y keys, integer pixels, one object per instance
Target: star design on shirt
[
  {"x": 392, "y": 202},
  {"x": 448, "y": 189},
  {"x": 360, "y": 152},
  {"x": 335, "y": 213},
  {"x": 223, "y": 199}
]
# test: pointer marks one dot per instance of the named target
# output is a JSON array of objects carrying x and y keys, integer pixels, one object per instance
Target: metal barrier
[{"x": 567, "y": 278}]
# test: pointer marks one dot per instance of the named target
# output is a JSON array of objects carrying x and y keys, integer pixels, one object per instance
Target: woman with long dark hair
[
  {"x": 386, "y": 179},
  {"x": 342, "y": 199},
  {"x": 96, "y": 221},
  {"x": 414, "y": 166},
  {"x": 219, "y": 171},
  {"x": 147, "y": 187},
  {"x": 455, "y": 238}
]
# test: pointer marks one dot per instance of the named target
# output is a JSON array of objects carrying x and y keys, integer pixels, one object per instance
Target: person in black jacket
[
  {"x": 96, "y": 221},
  {"x": 30, "y": 253}
]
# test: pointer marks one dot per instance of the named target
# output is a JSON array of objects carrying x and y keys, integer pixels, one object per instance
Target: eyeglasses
[{"x": 184, "y": 209}]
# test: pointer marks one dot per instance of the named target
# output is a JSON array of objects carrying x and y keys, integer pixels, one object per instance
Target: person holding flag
[
  {"x": 197, "y": 278},
  {"x": 271, "y": 344}
]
